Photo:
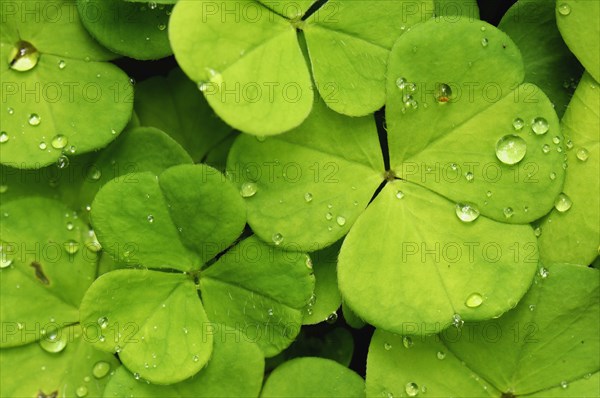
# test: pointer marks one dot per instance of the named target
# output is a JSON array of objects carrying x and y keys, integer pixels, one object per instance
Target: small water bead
[
  {"x": 443, "y": 94},
  {"x": 248, "y": 189},
  {"x": 62, "y": 64},
  {"x": 401, "y": 83},
  {"x": 537, "y": 232},
  {"x": 59, "y": 141},
  {"x": 150, "y": 218},
  {"x": 569, "y": 144},
  {"x": 412, "y": 389},
  {"x": 582, "y": 154},
  {"x": 329, "y": 216},
  {"x": 564, "y": 9},
  {"x": 511, "y": 149},
  {"x": 69, "y": 226},
  {"x": 117, "y": 349},
  {"x": 544, "y": 272},
  {"x": 34, "y": 119},
  {"x": 152, "y": 5},
  {"x": 136, "y": 376},
  {"x": 399, "y": 195},
  {"x": 387, "y": 346},
  {"x": 81, "y": 391},
  {"x": 10, "y": 110},
  {"x": 407, "y": 342},
  {"x": 469, "y": 176},
  {"x": 556, "y": 140},
  {"x": 508, "y": 212},
  {"x": 467, "y": 212},
  {"x": 103, "y": 322},
  {"x": 457, "y": 321},
  {"x": 553, "y": 176},
  {"x": 484, "y": 42},
  {"x": 539, "y": 126},
  {"x": 195, "y": 358},
  {"x": 71, "y": 246},
  {"x": 546, "y": 148},
  {"x": 162, "y": 26},
  {"x": 532, "y": 307},
  {"x": 563, "y": 203},
  {"x": 96, "y": 174},
  {"x": 277, "y": 238},
  {"x": 518, "y": 124},
  {"x": 441, "y": 355},
  {"x": 331, "y": 318},
  {"x": 4, "y": 137},
  {"x": 308, "y": 197},
  {"x": 5, "y": 261},
  {"x": 474, "y": 300},
  {"x": 564, "y": 384},
  {"x": 341, "y": 221},
  {"x": 62, "y": 162},
  {"x": 23, "y": 57},
  {"x": 101, "y": 369}
]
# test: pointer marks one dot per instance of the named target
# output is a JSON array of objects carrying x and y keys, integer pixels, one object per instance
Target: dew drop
[
  {"x": 457, "y": 321},
  {"x": 401, "y": 83},
  {"x": 544, "y": 272},
  {"x": 23, "y": 57},
  {"x": 443, "y": 93},
  {"x": 537, "y": 231},
  {"x": 564, "y": 384},
  {"x": 195, "y": 358},
  {"x": 387, "y": 346},
  {"x": 546, "y": 148},
  {"x": 556, "y": 140},
  {"x": 101, "y": 369},
  {"x": 563, "y": 203},
  {"x": 150, "y": 218},
  {"x": 34, "y": 119},
  {"x": 329, "y": 216},
  {"x": 62, "y": 162},
  {"x": 564, "y": 9},
  {"x": 412, "y": 389},
  {"x": 81, "y": 391},
  {"x": 59, "y": 141},
  {"x": 152, "y": 5},
  {"x": 10, "y": 110},
  {"x": 474, "y": 300},
  {"x": 331, "y": 318},
  {"x": 508, "y": 212},
  {"x": 62, "y": 64},
  {"x": 42, "y": 145},
  {"x": 69, "y": 226},
  {"x": 469, "y": 176},
  {"x": 308, "y": 197},
  {"x": 539, "y": 125},
  {"x": 511, "y": 149},
  {"x": 441, "y": 355},
  {"x": 399, "y": 194},
  {"x": 103, "y": 322},
  {"x": 582, "y": 154},
  {"x": 277, "y": 238},
  {"x": 162, "y": 26},
  {"x": 553, "y": 176},
  {"x": 484, "y": 42},
  {"x": 4, "y": 137},
  {"x": 407, "y": 342},
  {"x": 341, "y": 221},
  {"x": 96, "y": 174},
  {"x": 54, "y": 342},
  {"x": 467, "y": 212},
  {"x": 71, "y": 246},
  {"x": 532, "y": 307},
  {"x": 518, "y": 124},
  {"x": 308, "y": 262},
  {"x": 136, "y": 376},
  {"x": 248, "y": 189}
]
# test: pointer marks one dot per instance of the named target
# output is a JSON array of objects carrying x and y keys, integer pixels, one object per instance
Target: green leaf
[
  {"x": 175, "y": 105},
  {"x": 258, "y": 291},
  {"x": 248, "y": 64},
  {"x": 437, "y": 144},
  {"x": 65, "y": 102},
  {"x": 358, "y": 34},
  {"x": 549, "y": 63},
  {"x": 46, "y": 268},
  {"x": 427, "y": 275},
  {"x": 313, "y": 377},
  {"x": 579, "y": 24},
  {"x": 137, "y": 31},
  {"x": 77, "y": 370},
  {"x": 154, "y": 320},
  {"x": 234, "y": 370},
  {"x": 292, "y": 9},
  {"x": 351, "y": 318},
  {"x": 574, "y": 236},
  {"x": 326, "y": 300},
  {"x": 178, "y": 220},
  {"x": 137, "y": 150},
  {"x": 453, "y": 8},
  {"x": 311, "y": 183},
  {"x": 556, "y": 324}
]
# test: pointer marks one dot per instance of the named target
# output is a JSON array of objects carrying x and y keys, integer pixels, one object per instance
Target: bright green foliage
[
  {"x": 175, "y": 105},
  {"x": 548, "y": 343},
  {"x": 549, "y": 64},
  {"x": 137, "y": 30},
  {"x": 313, "y": 377},
  {"x": 571, "y": 233},
  {"x": 579, "y": 24},
  {"x": 249, "y": 62}
]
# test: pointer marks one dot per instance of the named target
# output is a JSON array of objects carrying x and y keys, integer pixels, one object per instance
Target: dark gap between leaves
[{"x": 314, "y": 8}]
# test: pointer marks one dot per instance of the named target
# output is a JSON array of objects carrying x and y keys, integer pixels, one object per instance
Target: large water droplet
[
  {"x": 511, "y": 149},
  {"x": 248, "y": 189},
  {"x": 34, "y": 119},
  {"x": 443, "y": 93},
  {"x": 467, "y": 212},
  {"x": 101, "y": 369},
  {"x": 412, "y": 389},
  {"x": 582, "y": 154},
  {"x": 59, "y": 141},
  {"x": 474, "y": 300},
  {"x": 71, "y": 246},
  {"x": 341, "y": 221},
  {"x": 23, "y": 57},
  {"x": 564, "y": 9},
  {"x": 54, "y": 341},
  {"x": 563, "y": 203},
  {"x": 277, "y": 238},
  {"x": 4, "y": 137},
  {"x": 539, "y": 125},
  {"x": 81, "y": 391}
]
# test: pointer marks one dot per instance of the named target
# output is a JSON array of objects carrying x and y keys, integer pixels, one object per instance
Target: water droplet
[
  {"x": 162, "y": 26},
  {"x": 136, "y": 376},
  {"x": 81, "y": 391},
  {"x": 569, "y": 144},
  {"x": 474, "y": 300},
  {"x": 101, "y": 369},
  {"x": 508, "y": 212},
  {"x": 399, "y": 194},
  {"x": 331, "y": 318},
  {"x": 152, "y": 5},
  {"x": 4, "y": 260},
  {"x": 195, "y": 358},
  {"x": 23, "y": 57},
  {"x": 412, "y": 389},
  {"x": 4, "y": 137},
  {"x": 441, "y": 355},
  {"x": 564, "y": 384},
  {"x": 556, "y": 140},
  {"x": 117, "y": 349},
  {"x": 308, "y": 197},
  {"x": 582, "y": 154},
  {"x": 537, "y": 231},
  {"x": 103, "y": 322},
  {"x": 469, "y": 176},
  {"x": 277, "y": 238},
  {"x": 467, "y": 212},
  {"x": 546, "y": 148},
  {"x": 518, "y": 124},
  {"x": 248, "y": 189},
  {"x": 34, "y": 119},
  {"x": 544, "y": 273},
  {"x": 553, "y": 176},
  {"x": 539, "y": 125},
  {"x": 387, "y": 346},
  {"x": 443, "y": 93},
  {"x": 308, "y": 262},
  {"x": 457, "y": 321},
  {"x": 96, "y": 174},
  {"x": 150, "y": 218},
  {"x": 62, "y": 162},
  {"x": 69, "y": 226},
  {"x": 71, "y": 246},
  {"x": 341, "y": 221},
  {"x": 54, "y": 341},
  {"x": 328, "y": 216},
  {"x": 564, "y": 9},
  {"x": 62, "y": 64},
  {"x": 3, "y": 188},
  {"x": 511, "y": 149},
  {"x": 563, "y": 203},
  {"x": 484, "y": 42},
  {"x": 401, "y": 83},
  {"x": 531, "y": 307},
  {"x": 407, "y": 342},
  {"x": 59, "y": 141}
]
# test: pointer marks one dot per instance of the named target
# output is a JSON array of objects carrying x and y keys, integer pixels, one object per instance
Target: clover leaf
[
  {"x": 250, "y": 64},
  {"x": 234, "y": 370},
  {"x": 175, "y": 105},
  {"x": 176, "y": 226},
  {"x": 578, "y": 22},
  {"x": 313, "y": 377},
  {"x": 440, "y": 198},
  {"x": 58, "y": 97},
  {"x": 137, "y": 30},
  {"x": 549, "y": 63},
  {"x": 571, "y": 233},
  {"x": 546, "y": 346}
]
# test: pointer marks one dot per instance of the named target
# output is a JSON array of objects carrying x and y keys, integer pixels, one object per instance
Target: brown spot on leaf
[{"x": 39, "y": 273}]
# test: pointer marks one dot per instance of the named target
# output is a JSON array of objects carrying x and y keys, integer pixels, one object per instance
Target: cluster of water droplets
[{"x": 408, "y": 91}]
